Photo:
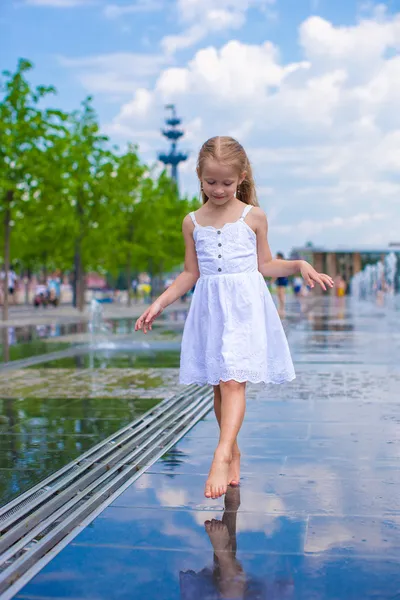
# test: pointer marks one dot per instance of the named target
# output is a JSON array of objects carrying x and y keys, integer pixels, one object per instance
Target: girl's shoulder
[
  {"x": 258, "y": 212},
  {"x": 257, "y": 216}
]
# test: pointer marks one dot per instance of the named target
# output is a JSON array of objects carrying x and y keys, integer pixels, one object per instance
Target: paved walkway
[{"x": 317, "y": 515}]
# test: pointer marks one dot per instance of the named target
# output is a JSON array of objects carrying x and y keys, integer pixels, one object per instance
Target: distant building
[{"x": 344, "y": 261}]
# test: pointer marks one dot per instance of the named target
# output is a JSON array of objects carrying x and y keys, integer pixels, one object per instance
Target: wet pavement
[{"x": 317, "y": 515}]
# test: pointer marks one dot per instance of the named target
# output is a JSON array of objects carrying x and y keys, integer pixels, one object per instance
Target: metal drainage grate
[{"x": 35, "y": 526}]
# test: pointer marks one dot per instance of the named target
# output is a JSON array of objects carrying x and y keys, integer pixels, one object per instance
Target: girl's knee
[
  {"x": 232, "y": 385},
  {"x": 217, "y": 390}
]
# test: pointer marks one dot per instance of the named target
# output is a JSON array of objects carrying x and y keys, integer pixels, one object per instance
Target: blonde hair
[{"x": 227, "y": 150}]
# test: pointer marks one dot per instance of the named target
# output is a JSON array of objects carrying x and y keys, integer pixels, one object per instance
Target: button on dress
[{"x": 233, "y": 330}]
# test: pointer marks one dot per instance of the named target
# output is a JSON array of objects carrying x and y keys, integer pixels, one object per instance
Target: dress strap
[
  {"x": 246, "y": 210},
  {"x": 193, "y": 218}
]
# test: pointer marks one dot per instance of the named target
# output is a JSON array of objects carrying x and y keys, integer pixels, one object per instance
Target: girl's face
[{"x": 220, "y": 181}]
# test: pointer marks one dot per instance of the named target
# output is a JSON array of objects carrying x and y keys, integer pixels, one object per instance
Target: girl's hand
[
  {"x": 145, "y": 321},
  {"x": 310, "y": 275}
]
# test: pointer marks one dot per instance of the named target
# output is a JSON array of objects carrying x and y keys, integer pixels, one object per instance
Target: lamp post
[{"x": 173, "y": 134}]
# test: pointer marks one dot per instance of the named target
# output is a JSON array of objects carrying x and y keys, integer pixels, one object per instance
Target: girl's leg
[
  {"x": 234, "y": 469},
  {"x": 233, "y": 404}
]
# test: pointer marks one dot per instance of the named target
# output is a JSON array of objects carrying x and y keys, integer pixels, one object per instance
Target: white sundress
[{"x": 233, "y": 330}]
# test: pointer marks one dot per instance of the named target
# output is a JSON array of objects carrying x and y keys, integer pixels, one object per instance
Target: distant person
[
  {"x": 281, "y": 285},
  {"x": 341, "y": 286},
  {"x": 297, "y": 286},
  {"x": 232, "y": 332},
  {"x": 41, "y": 297},
  {"x": 134, "y": 286},
  {"x": 54, "y": 289},
  {"x": 11, "y": 284}
]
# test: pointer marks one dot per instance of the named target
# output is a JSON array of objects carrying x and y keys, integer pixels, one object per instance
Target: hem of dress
[{"x": 196, "y": 381}]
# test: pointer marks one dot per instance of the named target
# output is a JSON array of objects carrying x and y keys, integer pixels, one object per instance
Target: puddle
[
  {"x": 168, "y": 359},
  {"x": 28, "y": 349},
  {"x": 38, "y": 436},
  {"x": 32, "y": 340},
  {"x": 31, "y": 333}
]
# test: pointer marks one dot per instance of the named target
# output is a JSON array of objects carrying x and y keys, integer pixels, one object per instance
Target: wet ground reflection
[
  {"x": 39, "y": 436},
  {"x": 319, "y": 511},
  {"x": 119, "y": 359},
  {"x": 227, "y": 577}
]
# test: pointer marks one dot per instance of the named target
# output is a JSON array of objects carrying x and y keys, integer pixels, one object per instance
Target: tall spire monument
[{"x": 173, "y": 134}]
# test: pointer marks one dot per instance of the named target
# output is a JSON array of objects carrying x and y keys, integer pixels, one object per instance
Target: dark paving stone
[
  {"x": 354, "y": 536},
  {"x": 179, "y": 529},
  {"x": 319, "y": 513},
  {"x": 352, "y": 448},
  {"x": 175, "y": 462},
  {"x": 281, "y": 430},
  {"x": 271, "y": 410},
  {"x": 268, "y": 494},
  {"x": 361, "y": 431},
  {"x": 99, "y": 573},
  {"x": 340, "y": 468}
]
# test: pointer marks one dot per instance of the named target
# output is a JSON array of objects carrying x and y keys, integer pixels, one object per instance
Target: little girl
[{"x": 232, "y": 333}]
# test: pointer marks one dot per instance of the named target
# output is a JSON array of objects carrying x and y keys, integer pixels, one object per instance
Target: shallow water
[{"x": 38, "y": 436}]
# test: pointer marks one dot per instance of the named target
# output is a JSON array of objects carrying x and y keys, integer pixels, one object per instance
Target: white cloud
[
  {"x": 202, "y": 17},
  {"x": 308, "y": 227},
  {"x": 235, "y": 72},
  {"x": 118, "y": 73},
  {"x": 323, "y": 133},
  {"x": 194, "y": 10},
  {"x": 364, "y": 42}
]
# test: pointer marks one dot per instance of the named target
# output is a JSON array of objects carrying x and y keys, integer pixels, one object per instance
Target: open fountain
[
  {"x": 376, "y": 279},
  {"x": 100, "y": 331}
]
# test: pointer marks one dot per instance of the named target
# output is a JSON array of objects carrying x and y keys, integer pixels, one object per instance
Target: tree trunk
[
  {"x": 82, "y": 289},
  {"x": 129, "y": 265},
  {"x": 151, "y": 273},
  {"x": 7, "y": 236},
  {"x": 77, "y": 262},
  {"x": 6, "y": 346},
  {"x": 78, "y": 283},
  {"x": 128, "y": 279}
]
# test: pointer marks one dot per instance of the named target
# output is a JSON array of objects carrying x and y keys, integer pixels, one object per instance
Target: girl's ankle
[{"x": 223, "y": 453}]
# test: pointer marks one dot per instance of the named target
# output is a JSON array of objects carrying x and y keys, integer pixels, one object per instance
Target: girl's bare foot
[
  {"x": 219, "y": 536},
  {"x": 217, "y": 481},
  {"x": 234, "y": 469}
]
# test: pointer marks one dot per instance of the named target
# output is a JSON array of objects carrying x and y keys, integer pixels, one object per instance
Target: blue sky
[{"x": 310, "y": 87}]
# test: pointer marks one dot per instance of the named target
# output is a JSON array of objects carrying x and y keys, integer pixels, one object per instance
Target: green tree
[
  {"x": 42, "y": 231},
  {"x": 123, "y": 226},
  {"x": 161, "y": 228},
  {"x": 89, "y": 167},
  {"x": 24, "y": 130}
]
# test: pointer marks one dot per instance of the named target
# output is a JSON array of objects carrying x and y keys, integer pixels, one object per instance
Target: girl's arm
[
  {"x": 275, "y": 267},
  {"x": 182, "y": 284}
]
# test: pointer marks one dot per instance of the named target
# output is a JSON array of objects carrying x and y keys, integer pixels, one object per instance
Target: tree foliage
[{"x": 70, "y": 200}]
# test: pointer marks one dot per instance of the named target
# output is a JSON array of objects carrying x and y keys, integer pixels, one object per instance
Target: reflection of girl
[{"x": 227, "y": 579}]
